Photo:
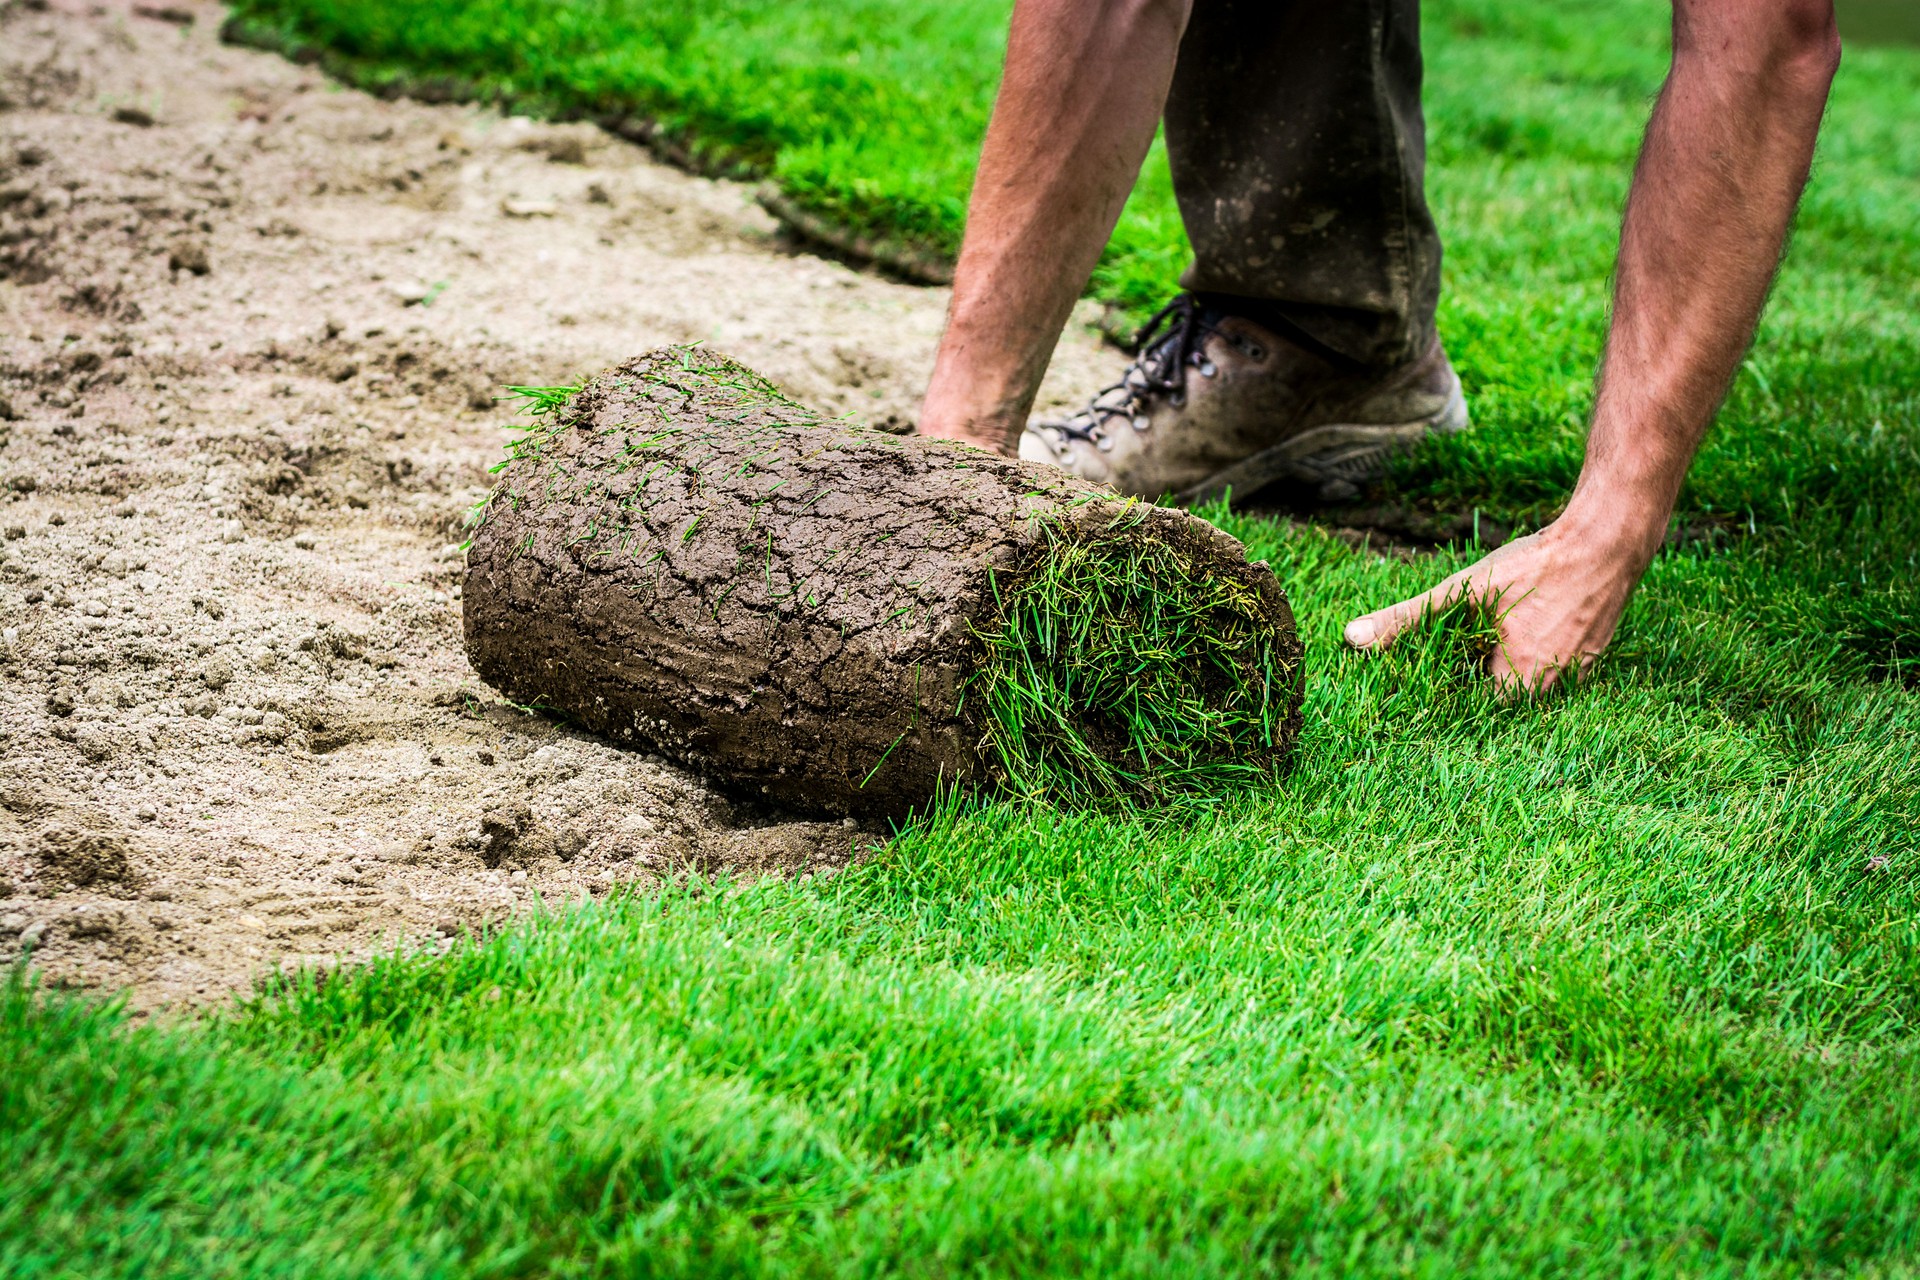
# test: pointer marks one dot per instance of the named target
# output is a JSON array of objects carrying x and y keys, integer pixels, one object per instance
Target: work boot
[{"x": 1215, "y": 402}]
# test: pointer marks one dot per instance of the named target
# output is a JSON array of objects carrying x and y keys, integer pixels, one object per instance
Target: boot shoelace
[{"x": 1166, "y": 346}]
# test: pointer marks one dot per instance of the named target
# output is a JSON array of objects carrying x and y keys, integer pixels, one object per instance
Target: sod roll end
[{"x": 844, "y": 621}]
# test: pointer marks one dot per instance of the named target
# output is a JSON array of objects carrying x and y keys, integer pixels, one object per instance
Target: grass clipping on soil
[
  {"x": 1114, "y": 673},
  {"x": 838, "y": 619}
]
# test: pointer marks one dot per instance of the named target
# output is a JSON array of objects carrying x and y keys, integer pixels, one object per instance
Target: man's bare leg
[
  {"x": 1082, "y": 93},
  {"x": 1725, "y": 158}
]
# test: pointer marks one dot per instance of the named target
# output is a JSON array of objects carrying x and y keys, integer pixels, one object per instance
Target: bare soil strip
[{"x": 252, "y": 327}]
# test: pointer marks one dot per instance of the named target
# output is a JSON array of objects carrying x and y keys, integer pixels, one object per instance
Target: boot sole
[{"x": 1340, "y": 452}]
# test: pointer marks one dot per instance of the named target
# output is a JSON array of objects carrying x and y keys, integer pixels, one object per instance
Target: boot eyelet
[
  {"x": 1103, "y": 442},
  {"x": 1256, "y": 353},
  {"x": 1141, "y": 422},
  {"x": 1178, "y": 399},
  {"x": 1208, "y": 369}
]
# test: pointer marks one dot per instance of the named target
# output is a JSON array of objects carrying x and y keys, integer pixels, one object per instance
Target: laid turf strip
[
  {"x": 1622, "y": 985},
  {"x": 846, "y": 621},
  {"x": 1606, "y": 991}
]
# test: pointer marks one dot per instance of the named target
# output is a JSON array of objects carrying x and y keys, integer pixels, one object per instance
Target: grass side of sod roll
[
  {"x": 1122, "y": 669},
  {"x": 1626, "y": 984}
]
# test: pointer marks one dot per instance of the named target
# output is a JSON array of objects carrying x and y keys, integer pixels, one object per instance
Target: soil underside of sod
[{"x": 844, "y": 620}]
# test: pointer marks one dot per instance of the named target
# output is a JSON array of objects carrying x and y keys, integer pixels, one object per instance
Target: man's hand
[
  {"x": 1557, "y": 596},
  {"x": 1725, "y": 158}
]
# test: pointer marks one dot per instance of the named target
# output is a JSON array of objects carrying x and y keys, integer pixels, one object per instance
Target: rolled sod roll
[{"x": 844, "y": 621}]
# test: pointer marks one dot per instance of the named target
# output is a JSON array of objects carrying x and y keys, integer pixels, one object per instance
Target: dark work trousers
[{"x": 1299, "y": 154}]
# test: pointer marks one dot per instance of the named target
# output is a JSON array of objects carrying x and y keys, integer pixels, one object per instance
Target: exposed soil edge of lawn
[{"x": 911, "y": 261}]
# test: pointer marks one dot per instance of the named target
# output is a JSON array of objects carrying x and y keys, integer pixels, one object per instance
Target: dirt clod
[
  {"x": 189, "y": 255},
  {"x": 502, "y": 827},
  {"x": 165, "y": 13},
  {"x": 82, "y": 859}
]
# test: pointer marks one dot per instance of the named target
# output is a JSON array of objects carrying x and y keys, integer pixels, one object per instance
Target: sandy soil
[{"x": 252, "y": 328}]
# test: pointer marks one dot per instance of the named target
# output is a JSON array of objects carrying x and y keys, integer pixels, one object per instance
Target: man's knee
[{"x": 1793, "y": 45}]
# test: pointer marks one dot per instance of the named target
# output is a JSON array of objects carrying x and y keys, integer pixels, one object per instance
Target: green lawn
[{"x": 1627, "y": 984}]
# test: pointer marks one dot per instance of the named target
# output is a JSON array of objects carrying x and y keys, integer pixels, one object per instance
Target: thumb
[{"x": 1382, "y": 627}]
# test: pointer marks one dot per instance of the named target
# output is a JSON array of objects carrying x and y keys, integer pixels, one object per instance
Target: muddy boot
[{"x": 1215, "y": 402}]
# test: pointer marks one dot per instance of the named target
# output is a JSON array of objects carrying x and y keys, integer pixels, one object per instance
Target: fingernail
[{"x": 1360, "y": 632}]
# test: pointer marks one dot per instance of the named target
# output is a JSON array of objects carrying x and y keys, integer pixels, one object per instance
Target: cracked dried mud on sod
[{"x": 845, "y": 621}]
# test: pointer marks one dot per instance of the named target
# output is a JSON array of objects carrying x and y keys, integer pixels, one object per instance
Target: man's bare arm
[
  {"x": 1084, "y": 86},
  {"x": 1725, "y": 159}
]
